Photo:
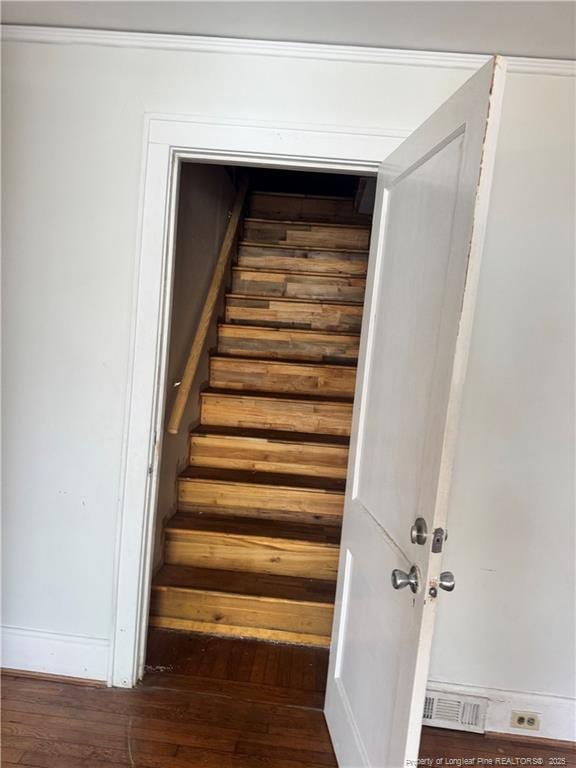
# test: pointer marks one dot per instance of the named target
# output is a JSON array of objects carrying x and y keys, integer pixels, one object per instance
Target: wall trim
[
  {"x": 557, "y": 713},
  {"x": 34, "y": 650},
  {"x": 230, "y": 45}
]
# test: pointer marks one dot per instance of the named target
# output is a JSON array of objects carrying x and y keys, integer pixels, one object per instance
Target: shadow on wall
[{"x": 205, "y": 199}]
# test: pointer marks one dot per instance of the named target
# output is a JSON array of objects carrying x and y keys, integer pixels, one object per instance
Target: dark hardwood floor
[
  {"x": 206, "y": 703},
  {"x": 249, "y": 670}
]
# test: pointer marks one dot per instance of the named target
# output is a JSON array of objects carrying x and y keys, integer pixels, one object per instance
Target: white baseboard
[
  {"x": 33, "y": 650},
  {"x": 557, "y": 713}
]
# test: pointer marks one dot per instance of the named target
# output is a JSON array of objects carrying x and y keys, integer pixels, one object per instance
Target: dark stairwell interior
[{"x": 247, "y": 549}]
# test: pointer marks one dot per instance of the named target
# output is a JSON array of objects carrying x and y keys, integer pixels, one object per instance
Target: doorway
[
  {"x": 251, "y": 484},
  {"x": 169, "y": 142}
]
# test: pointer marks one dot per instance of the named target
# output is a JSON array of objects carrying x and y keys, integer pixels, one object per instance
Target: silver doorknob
[
  {"x": 419, "y": 531},
  {"x": 401, "y": 579},
  {"x": 447, "y": 582}
]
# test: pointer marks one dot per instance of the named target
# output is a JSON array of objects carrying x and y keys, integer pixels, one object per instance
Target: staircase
[{"x": 253, "y": 548}]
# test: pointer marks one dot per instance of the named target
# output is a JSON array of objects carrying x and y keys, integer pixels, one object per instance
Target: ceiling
[{"x": 515, "y": 28}]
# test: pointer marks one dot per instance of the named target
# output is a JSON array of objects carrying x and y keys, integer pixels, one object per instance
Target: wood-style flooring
[{"x": 211, "y": 703}]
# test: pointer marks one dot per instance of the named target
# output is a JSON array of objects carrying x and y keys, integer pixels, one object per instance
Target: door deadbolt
[
  {"x": 401, "y": 579},
  {"x": 419, "y": 531}
]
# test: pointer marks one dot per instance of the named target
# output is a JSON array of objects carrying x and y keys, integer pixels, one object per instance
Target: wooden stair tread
[
  {"x": 282, "y": 362},
  {"x": 322, "y": 208},
  {"x": 308, "y": 223},
  {"x": 346, "y": 363},
  {"x": 300, "y": 195},
  {"x": 276, "y": 479},
  {"x": 287, "y": 344},
  {"x": 318, "y": 218},
  {"x": 244, "y": 583},
  {"x": 307, "y": 233},
  {"x": 305, "y": 313},
  {"x": 262, "y": 410},
  {"x": 303, "y": 333},
  {"x": 298, "y": 284},
  {"x": 287, "y": 396},
  {"x": 322, "y": 302},
  {"x": 269, "y": 450},
  {"x": 294, "y": 273},
  {"x": 291, "y": 246},
  {"x": 253, "y": 527},
  {"x": 234, "y": 510},
  {"x": 239, "y": 372},
  {"x": 272, "y": 435},
  {"x": 299, "y": 261},
  {"x": 289, "y": 250}
]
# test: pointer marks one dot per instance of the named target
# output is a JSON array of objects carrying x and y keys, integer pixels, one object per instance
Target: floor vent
[{"x": 449, "y": 710}]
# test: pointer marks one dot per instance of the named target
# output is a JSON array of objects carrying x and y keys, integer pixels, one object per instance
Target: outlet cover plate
[{"x": 528, "y": 721}]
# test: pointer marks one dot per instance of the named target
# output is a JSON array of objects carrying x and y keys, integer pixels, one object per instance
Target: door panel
[
  {"x": 429, "y": 222},
  {"x": 370, "y": 662},
  {"x": 396, "y": 441}
]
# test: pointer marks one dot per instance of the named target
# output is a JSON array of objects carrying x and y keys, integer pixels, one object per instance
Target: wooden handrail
[{"x": 207, "y": 311}]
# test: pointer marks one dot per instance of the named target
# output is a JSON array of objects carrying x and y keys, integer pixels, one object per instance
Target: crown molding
[{"x": 230, "y": 45}]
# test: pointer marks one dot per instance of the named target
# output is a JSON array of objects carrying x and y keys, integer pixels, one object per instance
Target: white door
[{"x": 430, "y": 215}]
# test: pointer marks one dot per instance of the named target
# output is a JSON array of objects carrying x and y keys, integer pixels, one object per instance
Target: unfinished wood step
[
  {"x": 315, "y": 234},
  {"x": 256, "y": 546},
  {"x": 279, "y": 412},
  {"x": 287, "y": 344},
  {"x": 232, "y": 603},
  {"x": 298, "y": 285},
  {"x": 293, "y": 313},
  {"x": 303, "y": 260},
  {"x": 299, "y": 498},
  {"x": 280, "y": 205},
  {"x": 269, "y": 451},
  {"x": 280, "y": 376}
]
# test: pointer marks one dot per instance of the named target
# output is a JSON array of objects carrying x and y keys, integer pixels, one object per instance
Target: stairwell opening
[{"x": 251, "y": 485}]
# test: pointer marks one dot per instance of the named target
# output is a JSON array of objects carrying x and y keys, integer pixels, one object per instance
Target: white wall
[
  {"x": 73, "y": 119},
  {"x": 72, "y": 137},
  {"x": 205, "y": 199},
  {"x": 510, "y": 622}
]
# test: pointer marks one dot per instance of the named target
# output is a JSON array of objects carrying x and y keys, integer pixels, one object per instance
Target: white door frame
[{"x": 168, "y": 141}]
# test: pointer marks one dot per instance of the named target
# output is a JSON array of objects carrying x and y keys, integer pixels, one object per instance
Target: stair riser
[
  {"x": 258, "y": 376},
  {"x": 269, "y": 456},
  {"x": 275, "y": 344},
  {"x": 298, "y": 260},
  {"x": 307, "y": 234},
  {"x": 295, "y": 207},
  {"x": 298, "y": 286},
  {"x": 229, "y": 610},
  {"x": 294, "y": 314},
  {"x": 292, "y": 416},
  {"x": 271, "y": 502},
  {"x": 255, "y": 554},
  {"x": 268, "y": 635}
]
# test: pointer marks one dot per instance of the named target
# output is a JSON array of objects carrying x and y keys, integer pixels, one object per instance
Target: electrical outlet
[{"x": 530, "y": 721}]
